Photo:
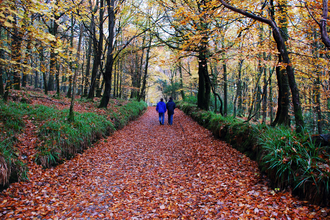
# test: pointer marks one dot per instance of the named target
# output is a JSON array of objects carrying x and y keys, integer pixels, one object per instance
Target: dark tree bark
[
  {"x": 204, "y": 89},
  {"x": 53, "y": 56},
  {"x": 97, "y": 50},
  {"x": 144, "y": 80},
  {"x": 88, "y": 66},
  {"x": 70, "y": 64},
  {"x": 264, "y": 98},
  {"x": 2, "y": 69},
  {"x": 136, "y": 73},
  {"x": 225, "y": 88},
  {"x": 280, "y": 42},
  {"x": 282, "y": 114},
  {"x": 16, "y": 54},
  {"x": 181, "y": 83},
  {"x": 323, "y": 24},
  {"x": 239, "y": 89},
  {"x": 115, "y": 78},
  {"x": 109, "y": 63}
]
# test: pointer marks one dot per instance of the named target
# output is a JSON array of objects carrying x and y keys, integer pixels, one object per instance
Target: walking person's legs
[
  {"x": 170, "y": 119},
  {"x": 161, "y": 118}
]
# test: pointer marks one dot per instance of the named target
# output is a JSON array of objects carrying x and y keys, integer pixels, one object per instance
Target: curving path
[{"x": 149, "y": 171}]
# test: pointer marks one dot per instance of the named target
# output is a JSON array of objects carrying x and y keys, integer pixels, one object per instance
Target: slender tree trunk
[
  {"x": 57, "y": 75},
  {"x": 2, "y": 69},
  {"x": 318, "y": 104},
  {"x": 115, "y": 76},
  {"x": 88, "y": 66},
  {"x": 271, "y": 111},
  {"x": 70, "y": 55},
  {"x": 144, "y": 81},
  {"x": 280, "y": 42},
  {"x": 71, "y": 113},
  {"x": 43, "y": 68},
  {"x": 225, "y": 88},
  {"x": 264, "y": 98},
  {"x": 81, "y": 86},
  {"x": 26, "y": 62},
  {"x": 136, "y": 75},
  {"x": 53, "y": 58},
  {"x": 181, "y": 83},
  {"x": 109, "y": 63},
  {"x": 97, "y": 49},
  {"x": 239, "y": 89},
  {"x": 119, "y": 89},
  {"x": 16, "y": 54}
]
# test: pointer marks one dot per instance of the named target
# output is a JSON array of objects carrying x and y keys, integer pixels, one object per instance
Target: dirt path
[{"x": 149, "y": 171}]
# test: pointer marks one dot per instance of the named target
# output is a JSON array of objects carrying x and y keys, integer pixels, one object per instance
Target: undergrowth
[
  {"x": 11, "y": 125},
  {"x": 58, "y": 139},
  {"x": 291, "y": 161},
  {"x": 61, "y": 139}
]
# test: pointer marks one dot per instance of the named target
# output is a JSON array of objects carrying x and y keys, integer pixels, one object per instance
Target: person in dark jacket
[
  {"x": 161, "y": 109},
  {"x": 170, "y": 105}
]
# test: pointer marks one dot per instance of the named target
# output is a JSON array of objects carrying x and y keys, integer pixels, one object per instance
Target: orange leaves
[{"x": 148, "y": 171}]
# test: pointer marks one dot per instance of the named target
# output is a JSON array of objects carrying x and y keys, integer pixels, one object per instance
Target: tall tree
[
  {"x": 110, "y": 59},
  {"x": 97, "y": 44},
  {"x": 282, "y": 48}
]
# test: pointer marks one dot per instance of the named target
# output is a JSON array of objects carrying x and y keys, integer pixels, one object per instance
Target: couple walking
[{"x": 161, "y": 109}]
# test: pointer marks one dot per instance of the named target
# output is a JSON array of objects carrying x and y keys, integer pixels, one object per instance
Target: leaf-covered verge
[
  {"x": 53, "y": 138},
  {"x": 291, "y": 161}
]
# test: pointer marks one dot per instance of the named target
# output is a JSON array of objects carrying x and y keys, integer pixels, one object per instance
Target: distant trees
[{"x": 262, "y": 61}]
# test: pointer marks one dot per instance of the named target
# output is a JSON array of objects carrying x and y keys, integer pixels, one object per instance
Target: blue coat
[
  {"x": 161, "y": 107},
  {"x": 170, "y": 107}
]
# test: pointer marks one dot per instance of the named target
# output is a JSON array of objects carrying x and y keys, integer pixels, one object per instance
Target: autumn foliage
[{"x": 150, "y": 171}]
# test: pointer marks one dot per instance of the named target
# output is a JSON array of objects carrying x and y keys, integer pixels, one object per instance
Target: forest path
[{"x": 152, "y": 171}]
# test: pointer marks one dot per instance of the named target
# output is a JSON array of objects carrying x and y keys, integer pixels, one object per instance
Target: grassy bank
[
  {"x": 57, "y": 138},
  {"x": 291, "y": 161}
]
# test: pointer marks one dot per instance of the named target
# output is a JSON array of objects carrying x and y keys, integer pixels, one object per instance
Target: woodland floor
[{"x": 152, "y": 171}]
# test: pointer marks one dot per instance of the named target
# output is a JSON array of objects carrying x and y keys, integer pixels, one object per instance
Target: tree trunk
[
  {"x": 53, "y": 58},
  {"x": 271, "y": 111},
  {"x": 280, "y": 42},
  {"x": 225, "y": 88},
  {"x": 2, "y": 69},
  {"x": 70, "y": 55},
  {"x": 115, "y": 78},
  {"x": 16, "y": 54},
  {"x": 97, "y": 49},
  {"x": 88, "y": 66},
  {"x": 204, "y": 88},
  {"x": 26, "y": 62},
  {"x": 239, "y": 90},
  {"x": 109, "y": 63},
  {"x": 71, "y": 113},
  {"x": 264, "y": 98},
  {"x": 144, "y": 81},
  {"x": 282, "y": 114},
  {"x": 43, "y": 68},
  {"x": 181, "y": 83}
]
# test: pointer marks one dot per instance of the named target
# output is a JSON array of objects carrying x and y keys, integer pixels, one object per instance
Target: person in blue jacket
[
  {"x": 161, "y": 109},
  {"x": 170, "y": 105}
]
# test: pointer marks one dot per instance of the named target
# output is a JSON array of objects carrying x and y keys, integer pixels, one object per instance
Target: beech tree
[{"x": 282, "y": 48}]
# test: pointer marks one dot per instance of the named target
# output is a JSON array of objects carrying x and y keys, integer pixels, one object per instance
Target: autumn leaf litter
[{"x": 149, "y": 171}]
